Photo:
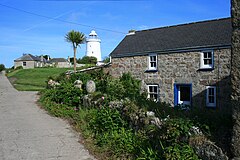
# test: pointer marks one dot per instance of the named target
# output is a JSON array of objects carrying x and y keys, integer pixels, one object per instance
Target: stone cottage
[
  {"x": 185, "y": 64},
  {"x": 29, "y": 61}
]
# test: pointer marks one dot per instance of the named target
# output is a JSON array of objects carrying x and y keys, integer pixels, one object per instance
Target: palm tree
[{"x": 76, "y": 38}]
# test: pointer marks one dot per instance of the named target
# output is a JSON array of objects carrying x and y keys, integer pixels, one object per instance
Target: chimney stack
[
  {"x": 41, "y": 58},
  {"x": 131, "y": 32}
]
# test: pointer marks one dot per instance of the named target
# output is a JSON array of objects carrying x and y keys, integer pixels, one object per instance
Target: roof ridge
[
  {"x": 183, "y": 24},
  {"x": 34, "y": 58}
]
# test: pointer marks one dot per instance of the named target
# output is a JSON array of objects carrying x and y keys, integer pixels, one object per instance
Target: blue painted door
[{"x": 182, "y": 94}]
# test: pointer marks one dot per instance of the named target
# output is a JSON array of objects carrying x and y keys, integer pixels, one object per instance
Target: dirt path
[{"x": 28, "y": 133}]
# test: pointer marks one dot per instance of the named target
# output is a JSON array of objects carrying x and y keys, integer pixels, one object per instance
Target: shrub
[
  {"x": 111, "y": 132},
  {"x": 131, "y": 85},
  {"x": 176, "y": 130},
  {"x": 115, "y": 89},
  {"x": 19, "y": 67},
  {"x": 106, "y": 120},
  {"x": 113, "y": 128},
  {"x": 88, "y": 60},
  {"x": 65, "y": 93},
  {"x": 122, "y": 142},
  {"x": 125, "y": 87},
  {"x": 2, "y": 67},
  {"x": 179, "y": 151},
  {"x": 106, "y": 60}
]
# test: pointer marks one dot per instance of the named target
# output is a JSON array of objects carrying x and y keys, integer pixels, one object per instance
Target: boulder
[
  {"x": 52, "y": 83},
  {"x": 87, "y": 101},
  {"x": 207, "y": 150},
  {"x": 78, "y": 84},
  {"x": 90, "y": 87}
]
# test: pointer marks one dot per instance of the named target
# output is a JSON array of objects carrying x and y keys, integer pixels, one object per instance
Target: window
[
  {"x": 211, "y": 96},
  {"x": 153, "y": 92},
  {"x": 24, "y": 63},
  {"x": 152, "y": 62},
  {"x": 182, "y": 94},
  {"x": 206, "y": 61}
]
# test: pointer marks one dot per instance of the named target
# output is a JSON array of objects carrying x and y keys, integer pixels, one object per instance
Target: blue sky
[{"x": 24, "y": 29}]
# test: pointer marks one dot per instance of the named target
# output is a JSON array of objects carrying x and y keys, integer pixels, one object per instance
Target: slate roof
[
  {"x": 198, "y": 35},
  {"x": 53, "y": 60},
  {"x": 27, "y": 57}
]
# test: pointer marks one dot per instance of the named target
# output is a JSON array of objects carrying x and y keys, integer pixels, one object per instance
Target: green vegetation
[
  {"x": 33, "y": 79},
  {"x": 2, "y": 67},
  {"x": 106, "y": 59},
  {"x": 87, "y": 60},
  {"x": 114, "y": 132},
  {"x": 116, "y": 126}
]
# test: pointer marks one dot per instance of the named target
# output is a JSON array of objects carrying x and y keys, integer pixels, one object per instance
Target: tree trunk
[
  {"x": 235, "y": 77},
  {"x": 74, "y": 59}
]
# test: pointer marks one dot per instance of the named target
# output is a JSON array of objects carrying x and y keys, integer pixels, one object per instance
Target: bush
[
  {"x": 106, "y": 120},
  {"x": 113, "y": 129},
  {"x": 19, "y": 67},
  {"x": 111, "y": 132},
  {"x": 169, "y": 142},
  {"x": 2, "y": 67},
  {"x": 65, "y": 93},
  {"x": 87, "y": 60},
  {"x": 106, "y": 60},
  {"x": 179, "y": 151},
  {"x": 125, "y": 87},
  {"x": 131, "y": 85}
]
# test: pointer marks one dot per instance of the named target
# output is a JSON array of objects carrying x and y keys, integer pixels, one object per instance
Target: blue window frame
[{"x": 182, "y": 94}]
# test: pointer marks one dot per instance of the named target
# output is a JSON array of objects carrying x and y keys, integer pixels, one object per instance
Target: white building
[{"x": 93, "y": 46}]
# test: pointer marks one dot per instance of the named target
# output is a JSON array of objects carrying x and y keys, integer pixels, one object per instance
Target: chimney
[
  {"x": 68, "y": 59},
  {"x": 48, "y": 57},
  {"x": 41, "y": 58},
  {"x": 131, "y": 32}
]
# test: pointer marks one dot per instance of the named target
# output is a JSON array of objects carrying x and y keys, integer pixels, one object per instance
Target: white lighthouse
[{"x": 93, "y": 46}]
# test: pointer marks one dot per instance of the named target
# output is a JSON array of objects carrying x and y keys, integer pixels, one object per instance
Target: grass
[{"x": 33, "y": 79}]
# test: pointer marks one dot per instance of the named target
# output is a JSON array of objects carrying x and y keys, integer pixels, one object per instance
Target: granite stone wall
[
  {"x": 180, "y": 68},
  {"x": 235, "y": 77}
]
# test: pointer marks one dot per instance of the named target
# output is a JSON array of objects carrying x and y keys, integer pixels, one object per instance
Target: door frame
[{"x": 176, "y": 92}]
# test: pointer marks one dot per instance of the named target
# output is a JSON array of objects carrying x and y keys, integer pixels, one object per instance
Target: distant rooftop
[
  {"x": 28, "y": 57},
  {"x": 57, "y": 60}
]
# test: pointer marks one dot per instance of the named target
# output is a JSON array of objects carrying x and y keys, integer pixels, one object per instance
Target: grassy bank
[{"x": 33, "y": 79}]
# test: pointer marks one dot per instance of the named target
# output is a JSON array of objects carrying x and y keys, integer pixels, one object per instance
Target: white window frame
[
  {"x": 210, "y": 104},
  {"x": 150, "y": 61},
  {"x": 206, "y": 66},
  {"x": 24, "y": 63},
  {"x": 157, "y": 93}
]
